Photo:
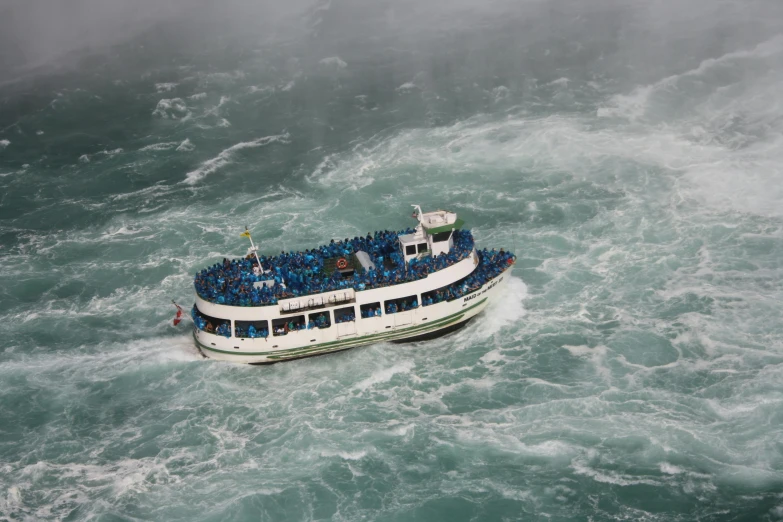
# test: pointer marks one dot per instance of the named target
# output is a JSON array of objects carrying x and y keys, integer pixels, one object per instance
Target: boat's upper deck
[{"x": 360, "y": 263}]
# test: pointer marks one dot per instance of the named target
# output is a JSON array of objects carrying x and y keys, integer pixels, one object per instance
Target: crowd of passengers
[
  {"x": 491, "y": 264},
  {"x": 251, "y": 332},
  {"x": 201, "y": 323},
  {"x": 316, "y": 321},
  {"x": 302, "y": 273},
  {"x": 371, "y": 312}
]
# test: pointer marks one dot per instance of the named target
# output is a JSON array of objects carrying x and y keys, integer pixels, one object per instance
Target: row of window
[
  {"x": 284, "y": 325},
  {"x": 411, "y": 250}
]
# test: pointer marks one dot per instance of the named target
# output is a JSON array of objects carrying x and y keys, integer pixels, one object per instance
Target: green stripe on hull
[{"x": 349, "y": 343}]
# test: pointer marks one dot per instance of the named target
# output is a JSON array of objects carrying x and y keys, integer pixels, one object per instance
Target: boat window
[
  {"x": 251, "y": 329},
  {"x": 410, "y": 250},
  {"x": 441, "y": 236},
  {"x": 370, "y": 310},
  {"x": 422, "y": 247},
  {"x": 288, "y": 324},
  {"x": 403, "y": 304},
  {"x": 319, "y": 320},
  {"x": 431, "y": 298},
  {"x": 344, "y": 315},
  {"x": 210, "y": 324}
]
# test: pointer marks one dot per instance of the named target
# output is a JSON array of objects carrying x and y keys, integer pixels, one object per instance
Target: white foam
[
  {"x": 86, "y": 158},
  {"x": 224, "y": 158},
  {"x": 708, "y": 172},
  {"x": 670, "y": 469},
  {"x": 198, "y": 96},
  {"x": 334, "y": 61},
  {"x": 505, "y": 310},
  {"x": 611, "y": 477},
  {"x": 13, "y": 499},
  {"x": 407, "y": 86},
  {"x": 174, "y": 108},
  {"x": 497, "y": 438},
  {"x": 287, "y": 87},
  {"x": 345, "y": 455},
  {"x": 500, "y": 93},
  {"x": 226, "y": 77},
  {"x": 597, "y": 357},
  {"x": 185, "y": 146},
  {"x": 4, "y": 143},
  {"x": 165, "y": 87},
  {"x": 634, "y": 105},
  {"x": 492, "y": 356},
  {"x": 384, "y": 375},
  {"x": 159, "y": 146}
]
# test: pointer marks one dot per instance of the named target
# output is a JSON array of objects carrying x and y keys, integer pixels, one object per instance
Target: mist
[
  {"x": 646, "y": 36},
  {"x": 47, "y": 34}
]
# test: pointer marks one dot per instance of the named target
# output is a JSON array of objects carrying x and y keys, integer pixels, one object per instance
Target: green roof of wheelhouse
[{"x": 445, "y": 228}]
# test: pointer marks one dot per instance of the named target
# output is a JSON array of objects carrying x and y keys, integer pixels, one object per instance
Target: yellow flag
[{"x": 246, "y": 234}]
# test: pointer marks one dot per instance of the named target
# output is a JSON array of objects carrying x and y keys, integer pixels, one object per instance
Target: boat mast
[
  {"x": 418, "y": 216},
  {"x": 253, "y": 248}
]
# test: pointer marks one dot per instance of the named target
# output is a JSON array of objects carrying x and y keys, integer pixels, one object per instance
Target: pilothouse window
[
  {"x": 441, "y": 236},
  {"x": 422, "y": 247},
  {"x": 410, "y": 250}
]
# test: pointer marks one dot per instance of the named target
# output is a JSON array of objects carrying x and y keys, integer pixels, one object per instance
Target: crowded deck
[{"x": 264, "y": 280}]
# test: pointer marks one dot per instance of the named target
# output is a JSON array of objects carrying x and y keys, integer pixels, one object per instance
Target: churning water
[{"x": 633, "y": 370}]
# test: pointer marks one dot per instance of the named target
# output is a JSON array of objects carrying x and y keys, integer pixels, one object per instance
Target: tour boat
[{"x": 411, "y": 285}]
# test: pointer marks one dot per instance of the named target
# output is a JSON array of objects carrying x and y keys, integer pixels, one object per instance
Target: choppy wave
[
  {"x": 334, "y": 61},
  {"x": 171, "y": 108},
  {"x": 211, "y": 166}
]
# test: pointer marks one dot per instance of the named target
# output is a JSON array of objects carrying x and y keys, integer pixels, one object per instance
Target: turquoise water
[{"x": 632, "y": 370}]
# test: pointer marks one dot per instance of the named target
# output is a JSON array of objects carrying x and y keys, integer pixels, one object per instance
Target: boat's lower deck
[{"x": 414, "y": 324}]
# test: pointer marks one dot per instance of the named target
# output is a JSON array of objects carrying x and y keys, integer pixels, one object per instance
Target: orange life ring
[{"x": 342, "y": 263}]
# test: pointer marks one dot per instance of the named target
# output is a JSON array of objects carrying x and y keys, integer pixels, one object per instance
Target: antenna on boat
[
  {"x": 417, "y": 213},
  {"x": 253, "y": 248}
]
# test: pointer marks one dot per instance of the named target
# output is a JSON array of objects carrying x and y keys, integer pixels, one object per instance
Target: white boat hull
[{"x": 421, "y": 323}]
